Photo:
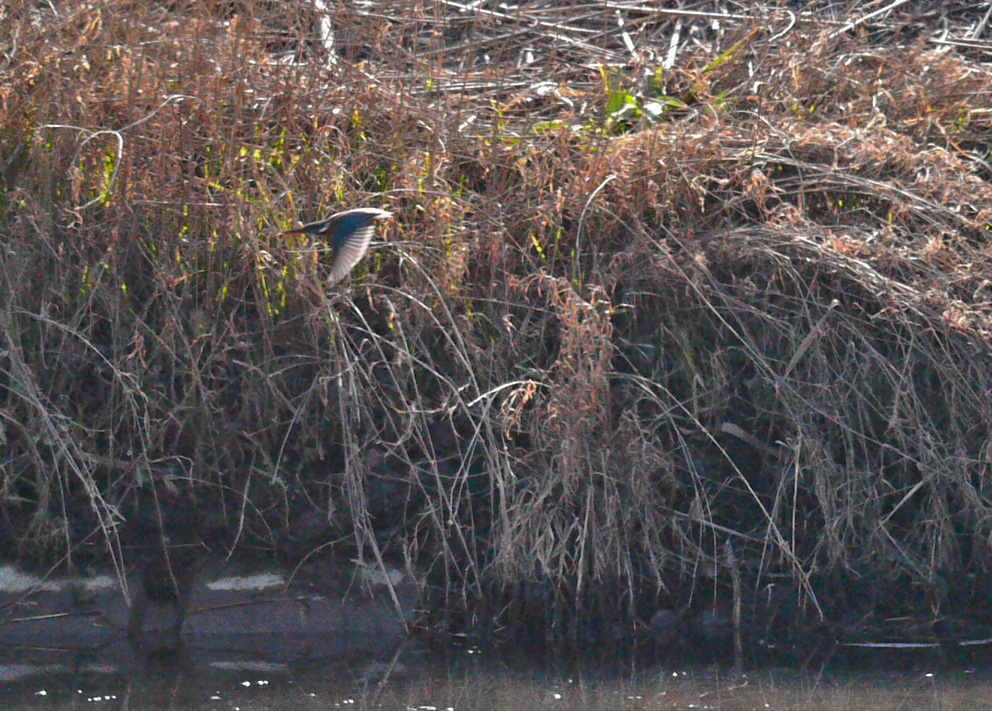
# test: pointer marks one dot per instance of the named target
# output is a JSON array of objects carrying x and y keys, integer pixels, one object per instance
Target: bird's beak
[{"x": 297, "y": 231}]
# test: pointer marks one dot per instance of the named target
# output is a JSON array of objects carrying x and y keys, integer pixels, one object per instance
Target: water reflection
[{"x": 411, "y": 681}]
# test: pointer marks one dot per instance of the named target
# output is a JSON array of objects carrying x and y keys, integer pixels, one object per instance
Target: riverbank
[
  {"x": 233, "y": 623},
  {"x": 680, "y": 330}
]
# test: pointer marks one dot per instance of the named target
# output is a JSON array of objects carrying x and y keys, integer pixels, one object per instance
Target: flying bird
[{"x": 348, "y": 235}]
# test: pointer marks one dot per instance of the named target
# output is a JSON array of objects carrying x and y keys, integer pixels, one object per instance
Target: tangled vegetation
[{"x": 671, "y": 298}]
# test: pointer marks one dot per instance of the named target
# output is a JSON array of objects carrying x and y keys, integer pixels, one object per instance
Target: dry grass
[{"x": 651, "y": 286}]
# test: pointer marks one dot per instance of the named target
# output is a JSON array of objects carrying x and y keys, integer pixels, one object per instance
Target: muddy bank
[{"x": 233, "y": 618}]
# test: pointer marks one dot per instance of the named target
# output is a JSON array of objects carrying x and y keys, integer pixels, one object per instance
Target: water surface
[{"x": 414, "y": 683}]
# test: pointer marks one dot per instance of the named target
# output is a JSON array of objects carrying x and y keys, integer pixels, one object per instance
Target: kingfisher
[{"x": 348, "y": 235}]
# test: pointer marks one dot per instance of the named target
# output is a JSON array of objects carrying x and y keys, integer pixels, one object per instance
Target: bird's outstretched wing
[{"x": 350, "y": 252}]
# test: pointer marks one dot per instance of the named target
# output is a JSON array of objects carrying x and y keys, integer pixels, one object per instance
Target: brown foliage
[{"x": 625, "y": 312}]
